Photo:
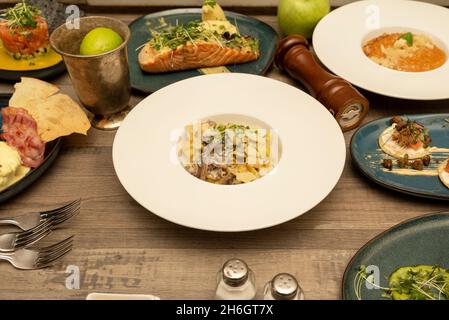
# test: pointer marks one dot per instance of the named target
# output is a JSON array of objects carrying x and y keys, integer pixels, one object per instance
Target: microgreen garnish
[
  {"x": 411, "y": 283},
  {"x": 210, "y": 3},
  {"x": 363, "y": 277},
  {"x": 193, "y": 32},
  {"x": 22, "y": 15},
  {"x": 409, "y": 132}
]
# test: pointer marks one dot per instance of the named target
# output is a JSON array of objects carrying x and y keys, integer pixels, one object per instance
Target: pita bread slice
[
  {"x": 59, "y": 116},
  {"x": 56, "y": 114},
  {"x": 31, "y": 89}
]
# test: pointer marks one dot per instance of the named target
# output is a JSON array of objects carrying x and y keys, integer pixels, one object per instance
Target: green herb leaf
[
  {"x": 210, "y": 3},
  {"x": 408, "y": 37},
  {"x": 193, "y": 32},
  {"x": 22, "y": 15}
]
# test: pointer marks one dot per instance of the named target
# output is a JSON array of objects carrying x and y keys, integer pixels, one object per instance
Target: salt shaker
[
  {"x": 283, "y": 286},
  {"x": 235, "y": 281}
]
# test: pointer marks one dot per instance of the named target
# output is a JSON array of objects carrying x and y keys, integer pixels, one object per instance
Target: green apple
[{"x": 301, "y": 16}]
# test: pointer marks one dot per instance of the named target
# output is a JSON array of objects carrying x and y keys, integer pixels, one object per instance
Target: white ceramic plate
[
  {"x": 310, "y": 164},
  {"x": 339, "y": 37}
]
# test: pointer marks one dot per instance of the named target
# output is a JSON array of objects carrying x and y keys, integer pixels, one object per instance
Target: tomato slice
[{"x": 416, "y": 146}]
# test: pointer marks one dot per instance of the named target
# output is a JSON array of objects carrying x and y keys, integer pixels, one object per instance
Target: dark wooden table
[{"x": 120, "y": 247}]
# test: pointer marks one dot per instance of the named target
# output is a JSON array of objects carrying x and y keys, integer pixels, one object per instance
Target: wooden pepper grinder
[{"x": 347, "y": 105}]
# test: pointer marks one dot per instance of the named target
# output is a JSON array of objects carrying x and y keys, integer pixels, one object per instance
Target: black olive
[
  {"x": 387, "y": 164},
  {"x": 426, "y": 160},
  {"x": 403, "y": 162},
  {"x": 418, "y": 165}
]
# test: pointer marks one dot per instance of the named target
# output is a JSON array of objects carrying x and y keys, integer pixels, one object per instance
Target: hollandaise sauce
[
  {"x": 45, "y": 60},
  {"x": 11, "y": 169}
]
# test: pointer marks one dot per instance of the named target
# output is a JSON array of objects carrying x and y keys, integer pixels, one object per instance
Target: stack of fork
[{"x": 16, "y": 247}]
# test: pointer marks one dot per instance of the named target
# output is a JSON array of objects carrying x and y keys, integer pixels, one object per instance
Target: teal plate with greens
[
  {"x": 140, "y": 34},
  {"x": 419, "y": 241},
  {"x": 367, "y": 156}
]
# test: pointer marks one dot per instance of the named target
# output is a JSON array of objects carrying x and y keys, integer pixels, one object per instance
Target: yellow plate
[{"x": 47, "y": 60}]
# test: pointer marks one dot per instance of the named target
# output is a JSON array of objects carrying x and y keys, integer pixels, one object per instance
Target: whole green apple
[{"x": 301, "y": 16}]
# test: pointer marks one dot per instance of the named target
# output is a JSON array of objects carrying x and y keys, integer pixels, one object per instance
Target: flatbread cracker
[
  {"x": 31, "y": 89},
  {"x": 56, "y": 114}
]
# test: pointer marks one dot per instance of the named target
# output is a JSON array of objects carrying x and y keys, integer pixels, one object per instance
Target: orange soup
[{"x": 405, "y": 52}]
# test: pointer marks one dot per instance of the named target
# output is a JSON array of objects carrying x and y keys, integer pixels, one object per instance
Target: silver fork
[
  {"x": 31, "y": 220},
  {"x": 29, "y": 259},
  {"x": 17, "y": 240}
]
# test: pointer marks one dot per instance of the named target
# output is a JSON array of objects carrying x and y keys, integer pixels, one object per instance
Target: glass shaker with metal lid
[
  {"x": 283, "y": 286},
  {"x": 235, "y": 281}
]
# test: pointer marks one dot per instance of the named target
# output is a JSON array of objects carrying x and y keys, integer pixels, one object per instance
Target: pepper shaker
[
  {"x": 235, "y": 281},
  {"x": 345, "y": 102},
  {"x": 283, "y": 286}
]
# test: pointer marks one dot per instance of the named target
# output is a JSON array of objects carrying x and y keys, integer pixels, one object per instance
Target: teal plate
[
  {"x": 367, "y": 156},
  {"x": 140, "y": 34},
  {"x": 423, "y": 240}
]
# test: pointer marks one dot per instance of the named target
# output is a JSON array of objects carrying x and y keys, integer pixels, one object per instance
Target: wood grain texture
[
  {"x": 235, "y": 3},
  {"x": 120, "y": 247}
]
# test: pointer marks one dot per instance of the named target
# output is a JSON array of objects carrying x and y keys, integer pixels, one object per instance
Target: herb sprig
[
  {"x": 210, "y": 3},
  {"x": 194, "y": 32},
  {"x": 408, "y": 37},
  {"x": 416, "y": 284},
  {"x": 22, "y": 15}
]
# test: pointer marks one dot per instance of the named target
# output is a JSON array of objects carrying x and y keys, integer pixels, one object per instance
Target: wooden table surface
[{"x": 121, "y": 247}]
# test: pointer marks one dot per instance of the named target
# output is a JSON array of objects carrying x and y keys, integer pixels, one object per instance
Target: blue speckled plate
[
  {"x": 367, "y": 156},
  {"x": 140, "y": 34},
  {"x": 51, "y": 152},
  {"x": 423, "y": 240}
]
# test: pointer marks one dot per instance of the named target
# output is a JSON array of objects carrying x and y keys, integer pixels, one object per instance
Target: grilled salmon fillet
[
  {"x": 197, "y": 44},
  {"x": 193, "y": 56}
]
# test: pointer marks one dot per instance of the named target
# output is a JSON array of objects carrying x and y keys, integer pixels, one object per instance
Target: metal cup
[{"x": 101, "y": 81}]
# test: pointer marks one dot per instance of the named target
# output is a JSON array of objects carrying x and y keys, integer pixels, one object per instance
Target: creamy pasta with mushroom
[{"x": 226, "y": 154}]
